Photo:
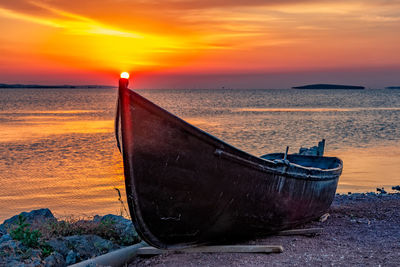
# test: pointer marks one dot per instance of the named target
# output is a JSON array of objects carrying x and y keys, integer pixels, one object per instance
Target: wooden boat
[{"x": 185, "y": 187}]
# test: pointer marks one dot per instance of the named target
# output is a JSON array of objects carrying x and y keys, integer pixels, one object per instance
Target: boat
[{"x": 186, "y": 187}]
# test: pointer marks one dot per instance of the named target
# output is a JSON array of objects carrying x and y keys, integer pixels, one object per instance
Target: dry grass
[{"x": 78, "y": 226}]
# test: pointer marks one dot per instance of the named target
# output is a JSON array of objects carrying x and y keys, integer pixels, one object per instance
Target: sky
[{"x": 201, "y": 44}]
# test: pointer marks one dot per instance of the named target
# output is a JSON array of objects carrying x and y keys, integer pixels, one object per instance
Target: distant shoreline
[
  {"x": 330, "y": 86},
  {"x": 38, "y": 86}
]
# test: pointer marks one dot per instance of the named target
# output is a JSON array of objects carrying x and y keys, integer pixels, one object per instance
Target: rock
[
  {"x": 35, "y": 253},
  {"x": 5, "y": 238},
  {"x": 381, "y": 190},
  {"x": 3, "y": 230},
  {"x": 59, "y": 245},
  {"x": 30, "y": 257},
  {"x": 81, "y": 247},
  {"x": 35, "y": 216},
  {"x": 10, "y": 253},
  {"x": 37, "y": 262},
  {"x": 10, "y": 247},
  {"x": 14, "y": 263},
  {"x": 54, "y": 260},
  {"x": 397, "y": 187},
  {"x": 88, "y": 246},
  {"x": 122, "y": 226},
  {"x": 13, "y": 253},
  {"x": 71, "y": 257}
]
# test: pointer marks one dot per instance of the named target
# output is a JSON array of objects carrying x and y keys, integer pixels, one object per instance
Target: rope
[{"x": 117, "y": 121}]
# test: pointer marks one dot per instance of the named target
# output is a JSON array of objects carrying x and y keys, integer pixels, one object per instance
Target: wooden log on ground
[
  {"x": 116, "y": 258},
  {"x": 215, "y": 249},
  {"x": 307, "y": 231}
]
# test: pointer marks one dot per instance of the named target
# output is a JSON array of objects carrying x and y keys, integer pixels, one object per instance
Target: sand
[{"x": 362, "y": 230}]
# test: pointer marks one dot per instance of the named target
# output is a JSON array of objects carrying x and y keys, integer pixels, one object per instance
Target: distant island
[
  {"x": 38, "y": 86},
  {"x": 392, "y": 87},
  {"x": 329, "y": 86}
]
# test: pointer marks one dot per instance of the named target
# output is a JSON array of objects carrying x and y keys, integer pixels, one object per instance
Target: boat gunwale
[{"x": 247, "y": 159}]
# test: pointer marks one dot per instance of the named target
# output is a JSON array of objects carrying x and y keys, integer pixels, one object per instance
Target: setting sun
[{"x": 125, "y": 75}]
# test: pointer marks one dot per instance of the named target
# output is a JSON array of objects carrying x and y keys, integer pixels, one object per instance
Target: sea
[{"x": 58, "y": 151}]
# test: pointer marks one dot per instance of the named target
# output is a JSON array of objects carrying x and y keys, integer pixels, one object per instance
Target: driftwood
[
  {"x": 307, "y": 232},
  {"x": 234, "y": 248},
  {"x": 122, "y": 256},
  {"x": 116, "y": 258},
  {"x": 214, "y": 249}
]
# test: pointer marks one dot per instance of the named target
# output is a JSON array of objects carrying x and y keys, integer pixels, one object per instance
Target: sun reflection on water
[
  {"x": 41, "y": 127},
  {"x": 365, "y": 169}
]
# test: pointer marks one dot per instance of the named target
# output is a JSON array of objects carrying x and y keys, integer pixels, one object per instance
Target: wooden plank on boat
[
  {"x": 307, "y": 231},
  {"x": 214, "y": 249}
]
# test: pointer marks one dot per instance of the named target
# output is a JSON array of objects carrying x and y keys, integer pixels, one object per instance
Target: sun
[{"x": 125, "y": 75}]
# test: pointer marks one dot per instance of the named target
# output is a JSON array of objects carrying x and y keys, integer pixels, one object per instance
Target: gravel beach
[{"x": 362, "y": 230}]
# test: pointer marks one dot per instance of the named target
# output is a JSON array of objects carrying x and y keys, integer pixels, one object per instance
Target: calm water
[{"x": 57, "y": 147}]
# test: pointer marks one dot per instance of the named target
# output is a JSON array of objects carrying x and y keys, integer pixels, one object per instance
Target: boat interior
[{"x": 323, "y": 163}]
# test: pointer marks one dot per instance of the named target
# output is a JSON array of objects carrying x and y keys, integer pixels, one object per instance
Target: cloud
[
  {"x": 210, "y": 4},
  {"x": 73, "y": 23},
  {"x": 26, "y": 17},
  {"x": 378, "y": 18}
]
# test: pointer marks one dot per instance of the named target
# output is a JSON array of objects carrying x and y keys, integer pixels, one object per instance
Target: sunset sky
[{"x": 196, "y": 44}]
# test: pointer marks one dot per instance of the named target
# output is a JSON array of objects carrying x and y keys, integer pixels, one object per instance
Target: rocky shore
[
  {"x": 363, "y": 229},
  {"x": 37, "y": 238}
]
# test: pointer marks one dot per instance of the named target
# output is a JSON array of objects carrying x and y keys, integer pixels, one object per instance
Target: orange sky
[{"x": 210, "y": 43}]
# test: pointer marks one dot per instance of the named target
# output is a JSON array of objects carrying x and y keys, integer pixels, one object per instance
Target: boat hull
[{"x": 186, "y": 187}]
